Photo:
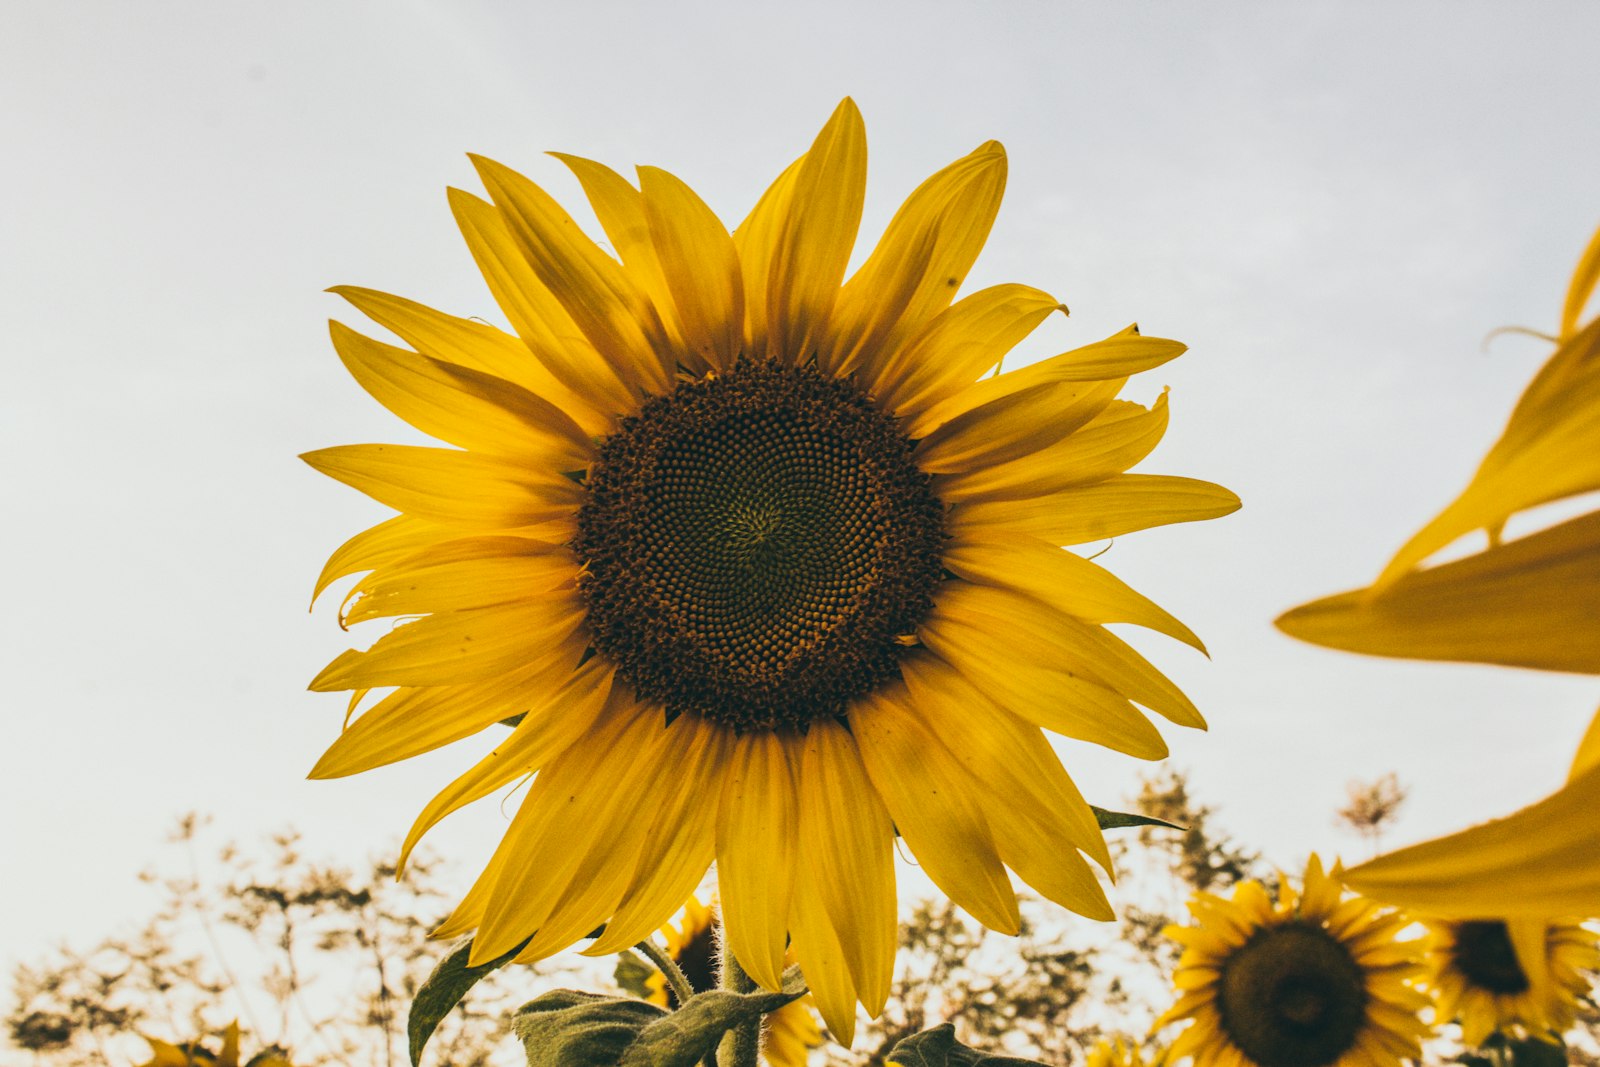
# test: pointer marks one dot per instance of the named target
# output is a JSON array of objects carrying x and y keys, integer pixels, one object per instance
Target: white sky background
[{"x": 1331, "y": 204}]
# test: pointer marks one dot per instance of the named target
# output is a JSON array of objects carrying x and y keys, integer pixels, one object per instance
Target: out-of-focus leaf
[
  {"x": 443, "y": 990},
  {"x": 939, "y": 1048},
  {"x": 1118, "y": 820},
  {"x": 633, "y": 974}
]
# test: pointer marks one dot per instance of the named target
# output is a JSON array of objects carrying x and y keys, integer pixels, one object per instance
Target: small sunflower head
[
  {"x": 1312, "y": 981},
  {"x": 1520, "y": 978},
  {"x": 1131, "y": 1054}
]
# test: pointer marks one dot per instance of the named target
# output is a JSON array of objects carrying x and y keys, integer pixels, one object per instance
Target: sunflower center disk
[
  {"x": 756, "y": 543},
  {"x": 1484, "y": 954},
  {"x": 1292, "y": 997}
]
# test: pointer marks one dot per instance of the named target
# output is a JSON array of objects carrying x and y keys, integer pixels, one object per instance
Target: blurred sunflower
[
  {"x": 787, "y": 1034},
  {"x": 761, "y": 563},
  {"x": 1315, "y": 980},
  {"x": 1117, "y": 1054},
  {"x": 1477, "y": 979},
  {"x": 194, "y": 1054},
  {"x": 1525, "y": 603}
]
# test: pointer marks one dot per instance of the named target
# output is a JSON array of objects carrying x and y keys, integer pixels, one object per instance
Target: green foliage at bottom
[{"x": 939, "y": 1048}]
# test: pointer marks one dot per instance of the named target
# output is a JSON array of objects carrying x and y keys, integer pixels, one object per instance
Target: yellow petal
[
  {"x": 385, "y": 543},
  {"x": 451, "y": 648},
  {"x": 470, "y": 572},
  {"x": 930, "y": 797},
  {"x": 845, "y": 831},
  {"x": 920, "y": 263},
  {"x": 1588, "y": 754},
  {"x": 987, "y": 650},
  {"x": 1062, "y": 579},
  {"x": 1542, "y": 861},
  {"x": 1025, "y": 779},
  {"x": 620, "y": 209},
  {"x": 1124, "y": 503},
  {"x": 541, "y": 320},
  {"x": 1014, "y": 426},
  {"x": 563, "y": 718},
  {"x": 816, "y": 235},
  {"x": 1117, "y": 357},
  {"x": 454, "y": 488},
  {"x": 681, "y": 839},
  {"x": 411, "y": 721},
  {"x": 822, "y": 959},
  {"x": 1584, "y": 280},
  {"x": 1121, "y": 435},
  {"x": 757, "y": 830},
  {"x": 756, "y": 241},
  {"x": 959, "y": 344},
  {"x": 463, "y": 406},
  {"x": 573, "y": 809},
  {"x": 701, "y": 267},
  {"x": 1527, "y": 603},
  {"x": 1550, "y": 450},
  {"x": 1089, "y": 652},
  {"x": 478, "y": 345}
]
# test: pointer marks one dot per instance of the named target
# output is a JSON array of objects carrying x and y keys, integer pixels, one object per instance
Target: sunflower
[
  {"x": 760, "y": 561},
  {"x": 1317, "y": 979},
  {"x": 1476, "y": 977},
  {"x": 1117, "y": 1054},
  {"x": 1525, "y": 603},
  {"x": 194, "y": 1054},
  {"x": 787, "y": 1034}
]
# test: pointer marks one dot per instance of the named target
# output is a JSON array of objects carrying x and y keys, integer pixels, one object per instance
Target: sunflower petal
[
  {"x": 460, "y": 405},
  {"x": 959, "y": 344},
  {"x": 1527, "y": 603},
  {"x": 565, "y": 717},
  {"x": 1124, "y": 503},
  {"x": 391, "y": 540},
  {"x": 756, "y": 241},
  {"x": 822, "y": 958},
  {"x": 757, "y": 832},
  {"x": 681, "y": 840},
  {"x": 1535, "y": 863},
  {"x": 454, "y": 488},
  {"x": 1121, "y": 435},
  {"x": 930, "y": 797},
  {"x": 921, "y": 261},
  {"x": 1062, "y": 579},
  {"x": 470, "y": 572},
  {"x": 599, "y": 294},
  {"x": 701, "y": 267},
  {"x": 1014, "y": 426},
  {"x": 1117, "y": 357},
  {"x": 845, "y": 831},
  {"x": 816, "y": 235},
  {"x": 466, "y": 343},
  {"x": 542, "y": 321}
]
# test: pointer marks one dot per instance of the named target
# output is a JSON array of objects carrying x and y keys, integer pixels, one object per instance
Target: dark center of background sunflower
[
  {"x": 1484, "y": 954},
  {"x": 1292, "y": 996},
  {"x": 755, "y": 544}
]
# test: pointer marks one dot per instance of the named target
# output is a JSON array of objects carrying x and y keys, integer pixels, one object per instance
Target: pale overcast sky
[{"x": 1332, "y": 204}]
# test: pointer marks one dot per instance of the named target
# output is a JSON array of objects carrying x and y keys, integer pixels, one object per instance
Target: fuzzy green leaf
[
  {"x": 633, "y": 974},
  {"x": 683, "y": 1038},
  {"x": 939, "y": 1048},
  {"x": 1119, "y": 820},
  {"x": 566, "y": 1028},
  {"x": 443, "y": 990}
]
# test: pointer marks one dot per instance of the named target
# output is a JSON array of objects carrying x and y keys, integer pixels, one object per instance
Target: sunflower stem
[
  {"x": 742, "y": 1047},
  {"x": 669, "y": 970}
]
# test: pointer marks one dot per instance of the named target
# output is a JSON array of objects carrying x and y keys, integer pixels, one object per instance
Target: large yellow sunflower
[
  {"x": 787, "y": 1034},
  {"x": 1529, "y": 602},
  {"x": 765, "y": 562},
  {"x": 1477, "y": 979},
  {"x": 1319, "y": 979}
]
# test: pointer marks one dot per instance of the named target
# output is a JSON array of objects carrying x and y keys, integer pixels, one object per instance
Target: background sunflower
[{"x": 1476, "y": 977}]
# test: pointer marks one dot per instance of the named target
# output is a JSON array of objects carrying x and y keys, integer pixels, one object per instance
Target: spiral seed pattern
[{"x": 756, "y": 547}]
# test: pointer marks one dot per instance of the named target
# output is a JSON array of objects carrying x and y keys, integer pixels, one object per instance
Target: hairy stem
[
  {"x": 742, "y": 1047},
  {"x": 669, "y": 969}
]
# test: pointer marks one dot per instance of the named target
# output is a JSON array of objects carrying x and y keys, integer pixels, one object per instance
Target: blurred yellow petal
[
  {"x": 1526, "y": 603},
  {"x": 1542, "y": 861}
]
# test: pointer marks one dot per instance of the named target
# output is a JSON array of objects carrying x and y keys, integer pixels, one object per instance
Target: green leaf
[
  {"x": 571, "y": 1029},
  {"x": 1526, "y": 1052},
  {"x": 443, "y": 990},
  {"x": 1119, "y": 820},
  {"x": 939, "y": 1048},
  {"x": 683, "y": 1038},
  {"x": 633, "y": 974}
]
